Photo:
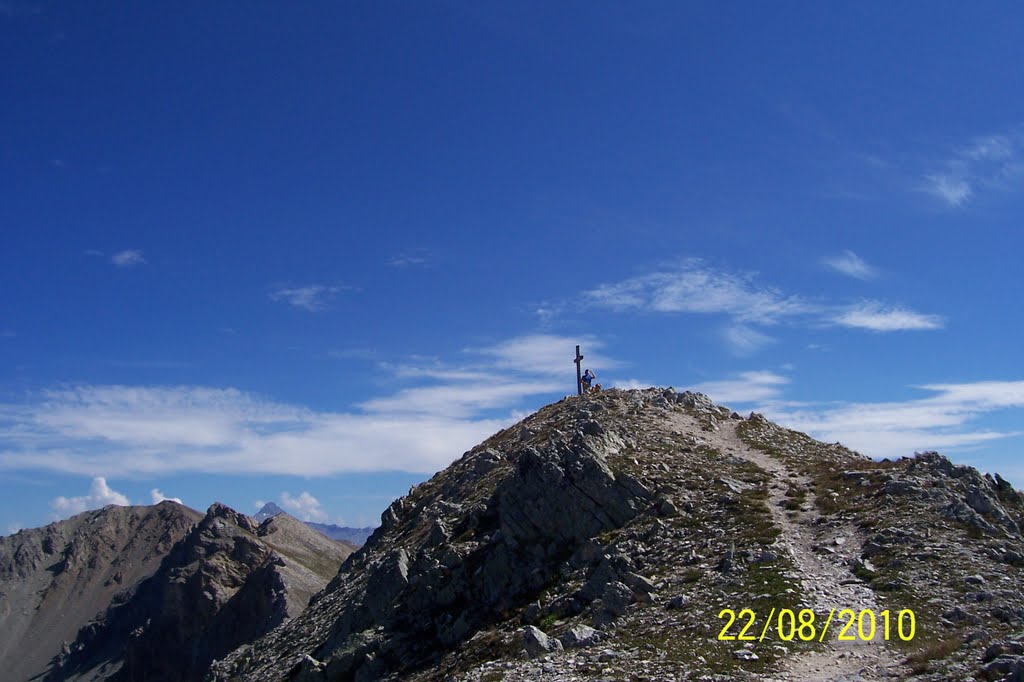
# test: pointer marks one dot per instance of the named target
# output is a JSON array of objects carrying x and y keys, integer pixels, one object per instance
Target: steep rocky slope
[
  {"x": 602, "y": 538},
  {"x": 54, "y": 579},
  {"x": 227, "y": 583}
]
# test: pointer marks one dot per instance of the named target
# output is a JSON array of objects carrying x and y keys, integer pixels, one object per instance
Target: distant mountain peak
[{"x": 268, "y": 511}]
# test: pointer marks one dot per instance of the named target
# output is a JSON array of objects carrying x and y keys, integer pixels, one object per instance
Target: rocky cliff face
[
  {"x": 603, "y": 537},
  {"x": 54, "y": 579},
  {"x": 229, "y": 581}
]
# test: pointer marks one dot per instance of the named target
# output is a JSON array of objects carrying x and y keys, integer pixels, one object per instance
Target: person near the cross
[{"x": 588, "y": 380}]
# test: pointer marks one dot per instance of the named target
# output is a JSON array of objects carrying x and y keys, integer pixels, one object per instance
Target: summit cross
[{"x": 579, "y": 377}]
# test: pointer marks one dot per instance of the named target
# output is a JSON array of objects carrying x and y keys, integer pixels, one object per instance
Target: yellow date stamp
[{"x": 850, "y": 625}]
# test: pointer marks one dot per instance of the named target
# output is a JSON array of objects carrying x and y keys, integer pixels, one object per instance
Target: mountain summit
[
  {"x": 349, "y": 536},
  {"x": 268, "y": 511},
  {"x": 153, "y": 593},
  {"x": 55, "y": 579},
  {"x": 611, "y": 536},
  {"x": 641, "y": 535}
]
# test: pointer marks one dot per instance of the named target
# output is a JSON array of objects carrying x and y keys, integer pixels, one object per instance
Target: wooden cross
[{"x": 579, "y": 377}]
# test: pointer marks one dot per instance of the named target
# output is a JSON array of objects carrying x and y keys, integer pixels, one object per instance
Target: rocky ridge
[
  {"x": 601, "y": 538},
  {"x": 229, "y": 581},
  {"x": 54, "y": 579}
]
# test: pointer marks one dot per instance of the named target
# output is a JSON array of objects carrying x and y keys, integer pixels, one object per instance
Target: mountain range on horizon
[{"x": 598, "y": 538}]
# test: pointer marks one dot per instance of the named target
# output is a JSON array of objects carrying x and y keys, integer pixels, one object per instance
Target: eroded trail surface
[{"x": 822, "y": 554}]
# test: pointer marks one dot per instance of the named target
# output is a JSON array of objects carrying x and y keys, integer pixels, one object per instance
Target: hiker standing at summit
[{"x": 588, "y": 380}]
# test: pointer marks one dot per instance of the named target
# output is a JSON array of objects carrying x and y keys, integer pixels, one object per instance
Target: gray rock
[
  {"x": 1005, "y": 669},
  {"x": 617, "y": 598},
  {"x": 580, "y": 636},
  {"x": 1003, "y": 648},
  {"x": 537, "y": 643},
  {"x": 666, "y": 507}
]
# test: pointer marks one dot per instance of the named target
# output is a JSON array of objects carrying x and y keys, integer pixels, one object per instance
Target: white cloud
[
  {"x": 128, "y": 258},
  {"x": 992, "y": 148},
  {"x": 887, "y": 429},
  {"x": 744, "y": 340},
  {"x": 987, "y": 163},
  {"x": 744, "y": 388},
  {"x": 100, "y": 495},
  {"x": 494, "y": 376},
  {"x": 416, "y": 257},
  {"x": 313, "y": 297},
  {"x": 305, "y": 507},
  {"x": 945, "y": 420},
  {"x": 851, "y": 265},
  {"x": 693, "y": 287},
  {"x": 14, "y": 527},
  {"x": 878, "y": 317},
  {"x": 954, "y": 189},
  {"x": 460, "y": 400},
  {"x": 545, "y": 354},
  {"x": 157, "y": 497},
  {"x": 440, "y": 412}
]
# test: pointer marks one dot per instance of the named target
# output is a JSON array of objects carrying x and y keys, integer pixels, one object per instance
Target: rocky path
[{"x": 822, "y": 554}]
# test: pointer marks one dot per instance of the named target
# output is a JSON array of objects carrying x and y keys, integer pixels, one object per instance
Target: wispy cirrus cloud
[
  {"x": 879, "y": 317},
  {"x": 692, "y": 287},
  {"x": 850, "y": 264},
  {"x": 128, "y": 258},
  {"x": 745, "y": 387},
  {"x": 946, "y": 420},
  {"x": 412, "y": 258},
  {"x": 940, "y": 421},
  {"x": 992, "y": 162},
  {"x": 440, "y": 411},
  {"x": 744, "y": 340},
  {"x": 311, "y": 297}
]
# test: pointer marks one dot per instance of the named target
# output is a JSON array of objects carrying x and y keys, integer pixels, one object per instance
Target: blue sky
[{"x": 312, "y": 253}]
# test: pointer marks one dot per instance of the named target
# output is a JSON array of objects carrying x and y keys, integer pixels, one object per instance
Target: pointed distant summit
[{"x": 269, "y": 511}]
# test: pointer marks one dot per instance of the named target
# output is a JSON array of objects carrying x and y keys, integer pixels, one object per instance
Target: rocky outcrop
[
  {"x": 459, "y": 553},
  {"x": 227, "y": 583},
  {"x": 55, "y": 579}
]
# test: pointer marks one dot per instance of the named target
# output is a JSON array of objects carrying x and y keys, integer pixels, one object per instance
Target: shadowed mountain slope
[
  {"x": 54, "y": 579},
  {"x": 228, "y": 582}
]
